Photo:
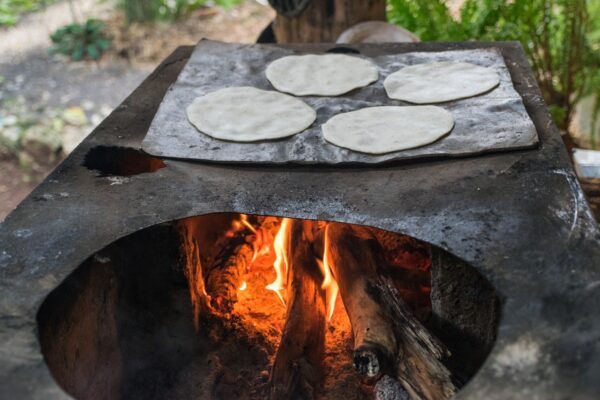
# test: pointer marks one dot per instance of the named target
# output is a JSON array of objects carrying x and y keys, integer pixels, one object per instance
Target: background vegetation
[
  {"x": 561, "y": 38},
  {"x": 79, "y": 41},
  {"x": 164, "y": 10},
  {"x": 11, "y": 10},
  {"x": 135, "y": 10}
]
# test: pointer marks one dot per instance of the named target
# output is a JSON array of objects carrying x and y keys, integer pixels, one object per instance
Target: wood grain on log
[
  {"x": 388, "y": 338},
  {"x": 296, "y": 370},
  {"x": 325, "y": 20},
  {"x": 224, "y": 247},
  {"x": 193, "y": 270},
  {"x": 353, "y": 265},
  {"x": 224, "y": 278}
]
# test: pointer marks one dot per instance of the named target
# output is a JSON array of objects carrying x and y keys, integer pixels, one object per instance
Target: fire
[
  {"x": 244, "y": 221},
  {"x": 281, "y": 264},
  {"x": 329, "y": 283},
  {"x": 254, "y": 255}
]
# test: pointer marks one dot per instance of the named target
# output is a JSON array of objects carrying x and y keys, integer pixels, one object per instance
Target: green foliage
[
  {"x": 79, "y": 41},
  {"x": 164, "y": 10},
  {"x": 561, "y": 38},
  {"x": 10, "y": 10}
]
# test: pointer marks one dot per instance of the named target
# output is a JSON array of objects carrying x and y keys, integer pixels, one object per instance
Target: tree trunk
[{"x": 325, "y": 20}]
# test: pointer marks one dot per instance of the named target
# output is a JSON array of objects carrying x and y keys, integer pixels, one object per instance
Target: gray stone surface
[{"x": 494, "y": 121}]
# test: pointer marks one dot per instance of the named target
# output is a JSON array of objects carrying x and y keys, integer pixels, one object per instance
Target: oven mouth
[
  {"x": 120, "y": 161},
  {"x": 192, "y": 309}
]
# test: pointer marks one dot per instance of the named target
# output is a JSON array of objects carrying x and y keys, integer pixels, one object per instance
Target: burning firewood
[
  {"x": 296, "y": 371},
  {"x": 219, "y": 257},
  {"x": 225, "y": 277},
  {"x": 387, "y": 337},
  {"x": 313, "y": 258}
]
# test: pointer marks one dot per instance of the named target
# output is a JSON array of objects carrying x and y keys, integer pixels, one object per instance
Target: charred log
[
  {"x": 387, "y": 337},
  {"x": 193, "y": 271},
  {"x": 225, "y": 277},
  {"x": 296, "y": 370},
  {"x": 353, "y": 265},
  {"x": 221, "y": 255}
]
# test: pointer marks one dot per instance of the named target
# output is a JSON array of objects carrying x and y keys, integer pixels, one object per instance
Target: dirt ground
[{"x": 66, "y": 100}]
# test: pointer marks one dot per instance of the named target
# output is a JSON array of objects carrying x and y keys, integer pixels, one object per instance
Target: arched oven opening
[{"x": 226, "y": 306}]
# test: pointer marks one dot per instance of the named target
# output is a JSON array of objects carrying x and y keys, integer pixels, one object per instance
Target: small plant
[{"x": 79, "y": 41}]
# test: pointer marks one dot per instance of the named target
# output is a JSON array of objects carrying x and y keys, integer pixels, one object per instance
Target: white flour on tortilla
[
  {"x": 321, "y": 75},
  {"x": 379, "y": 130},
  {"x": 247, "y": 114},
  {"x": 437, "y": 82}
]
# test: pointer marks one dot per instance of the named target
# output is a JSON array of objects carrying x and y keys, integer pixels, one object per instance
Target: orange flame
[
  {"x": 244, "y": 220},
  {"x": 281, "y": 264},
  {"x": 260, "y": 244},
  {"x": 243, "y": 287},
  {"x": 329, "y": 284}
]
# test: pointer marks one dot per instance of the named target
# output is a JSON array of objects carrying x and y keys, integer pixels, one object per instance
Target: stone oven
[{"x": 126, "y": 276}]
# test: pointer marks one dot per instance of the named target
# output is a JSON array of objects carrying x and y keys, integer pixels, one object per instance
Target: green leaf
[
  {"x": 59, "y": 34},
  {"x": 93, "y": 52},
  {"x": 77, "y": 53},
  {"x": 76, "y": 29},
  {"x": 103, "y": 44}
]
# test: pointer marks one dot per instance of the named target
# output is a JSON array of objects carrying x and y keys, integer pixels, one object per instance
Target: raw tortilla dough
[
  {"x": 437, "y": 82},
  {"x": 247, "y": 114},
  {"x": 321, "y": 75},
  {"x": 379, "y": 130}
]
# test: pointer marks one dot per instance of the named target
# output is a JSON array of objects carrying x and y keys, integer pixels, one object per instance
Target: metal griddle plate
[{"x": 492, "y": 122}]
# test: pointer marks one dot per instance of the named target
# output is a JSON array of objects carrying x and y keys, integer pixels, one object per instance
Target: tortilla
[
  {"x": 380, "y": 130},
  {"x": 321, "y": 75},
  {"x": 247, "y": 114},
  {"x": 438, "y": 82}
]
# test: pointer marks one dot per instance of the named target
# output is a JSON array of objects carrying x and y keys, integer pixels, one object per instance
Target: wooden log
[
  {"x": 297, "y": 368},
  {"x": 387, "y": 337},
  {"x": 218, "y": 251},
  {"x": 353, "y": 265},
  {"x": 193, "y": 271},
  {"x": 225, "y": 247},
  {"x": 225, "y": 277},
  {"x": 325, "y": 20}
]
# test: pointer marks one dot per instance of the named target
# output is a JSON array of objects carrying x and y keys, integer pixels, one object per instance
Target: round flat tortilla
[
  {"x": 438, "y": 82},
  {"x": 380, "y": 130},
  {"x": 247, "y": 114},
  {"x": 321, "y": 75}
]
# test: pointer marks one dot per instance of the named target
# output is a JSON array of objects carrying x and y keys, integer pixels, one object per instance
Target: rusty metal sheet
[{"x": 494, "y": 121}]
